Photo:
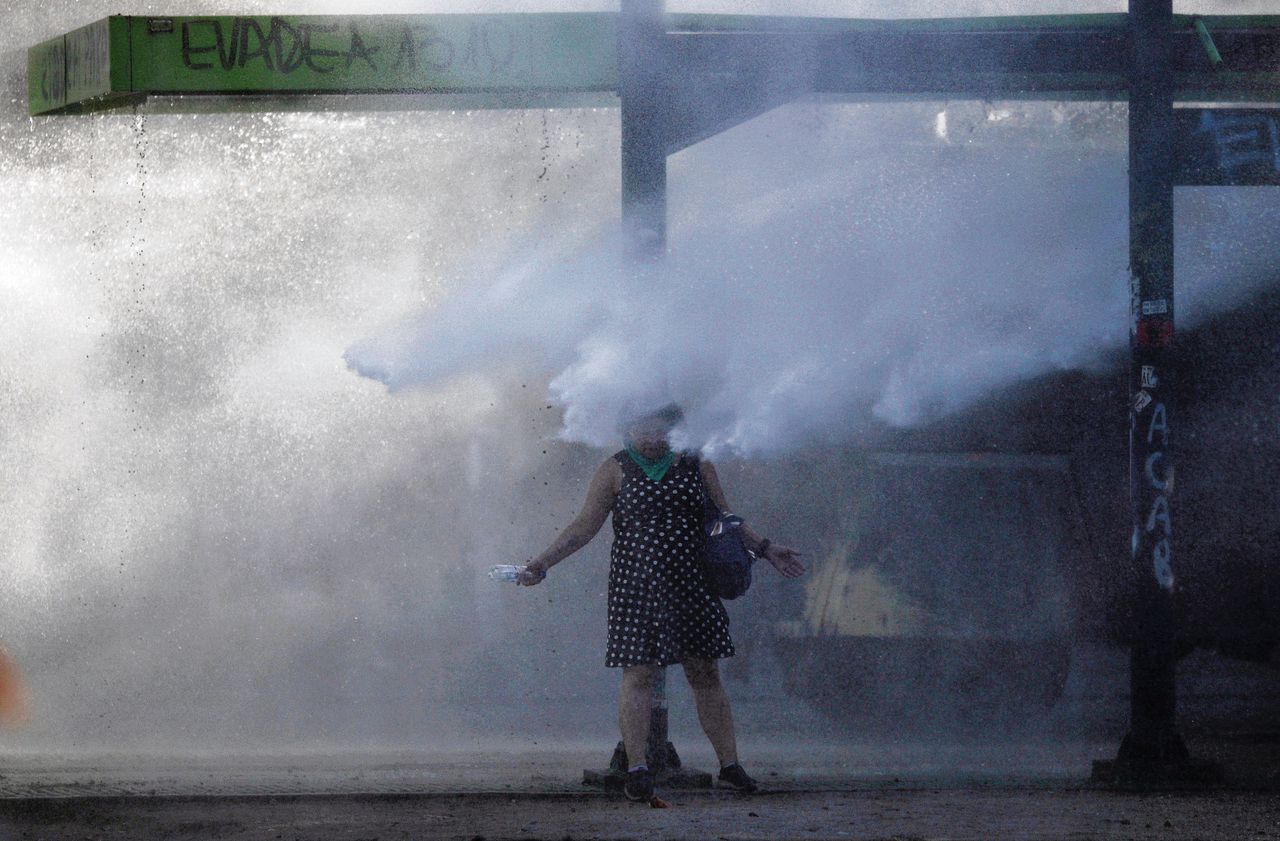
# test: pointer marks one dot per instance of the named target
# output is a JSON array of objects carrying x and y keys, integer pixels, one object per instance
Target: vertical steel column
[
  {"x": 642, "y": 78},
  {"x": 660, "y": 754},
  {"x": 1153, "y": 741}
]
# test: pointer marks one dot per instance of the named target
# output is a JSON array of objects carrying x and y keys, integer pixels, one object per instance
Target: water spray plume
[{"x": 871, "y": 284}]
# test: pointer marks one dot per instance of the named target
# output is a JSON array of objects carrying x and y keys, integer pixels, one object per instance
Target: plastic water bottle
[{"x": 506, "y": 572}]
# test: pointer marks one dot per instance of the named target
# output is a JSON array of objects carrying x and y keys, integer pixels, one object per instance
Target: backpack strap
[{"x": 710, "y": 511}]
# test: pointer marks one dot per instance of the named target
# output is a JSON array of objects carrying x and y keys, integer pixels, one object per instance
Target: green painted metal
[
  {"x": 46, "y": 76},
  {"x": 123, "y": 59},
  {"x": 834, "y": 26},
  {"x": 1112, "y": 22},
  {"x": 454, "y": 53},
  {"x": 1215, "y": 57},
  {"x": 141, "y": 56},
  {"x": 87, "y": 65}
]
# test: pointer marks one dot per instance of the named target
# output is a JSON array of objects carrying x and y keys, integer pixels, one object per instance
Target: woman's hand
[
  {"x": 534, "y": 573},
  {"x": 785, "y": 560}
]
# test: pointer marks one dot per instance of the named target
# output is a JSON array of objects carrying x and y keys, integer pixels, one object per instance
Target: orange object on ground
[
  {"x": 14, "y": 705},
  {"x": 657, "y": 802}
]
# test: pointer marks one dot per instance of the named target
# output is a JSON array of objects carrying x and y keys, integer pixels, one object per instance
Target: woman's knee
[
  {"x": 639, "y": 677},
  {"x": 702, "y": 673}
]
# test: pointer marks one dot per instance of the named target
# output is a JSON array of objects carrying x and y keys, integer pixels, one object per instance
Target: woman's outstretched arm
[
  {"x": 600, "y": 496},
  {"x": 784, "y": 559}
]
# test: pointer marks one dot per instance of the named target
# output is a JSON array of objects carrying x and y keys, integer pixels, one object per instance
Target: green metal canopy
[{"x": 121, "y": 59}]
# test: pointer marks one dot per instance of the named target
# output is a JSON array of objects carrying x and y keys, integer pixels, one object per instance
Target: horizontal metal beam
[
  {"x": 973, "y": 461},
  {"x": 307, "y": 54},
  {"x": 718, "y": 83},
  {"x": 1085, "y": 59},
  {"x": 121, "y": 59}
]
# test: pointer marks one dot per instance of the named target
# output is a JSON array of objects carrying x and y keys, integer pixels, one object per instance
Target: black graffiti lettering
[
  {"x": 99, "y": 52},
  {"x": 248, "y": 52},
  {"x": 230, "y": 56},
  {"x": 188, "y": 51},
  {"x": 471, "y": 57},
  {"x": 408, "y": 52},
  {"x": 437, "y": 53},
  {"x": 226, "y": 58},
  {"x": 284, "y": 47},
  {"x": 359, "y": 50},
  {"x": 50, "y": 89},
  {"x": 53, "y": 80},
  {"x": 310, "y": 53},
  {"x": 87, "y": 56},
  {"x": 289, "y": 45},
  {"x": 444, "y": 48},
  {"x": 491, "y": 46},
  {"x": 505, "y": 37}
]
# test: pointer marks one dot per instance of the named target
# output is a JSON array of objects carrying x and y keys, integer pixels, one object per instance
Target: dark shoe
[
  {"x": 639, "y": 785},
  {"x": 734, "y": 777}
]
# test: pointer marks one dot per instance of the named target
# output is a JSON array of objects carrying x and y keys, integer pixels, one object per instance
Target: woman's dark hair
[{"x": 671, "y": 414}]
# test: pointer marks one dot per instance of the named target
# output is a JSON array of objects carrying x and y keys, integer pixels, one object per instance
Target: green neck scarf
[{"x": 655, "y": 470}]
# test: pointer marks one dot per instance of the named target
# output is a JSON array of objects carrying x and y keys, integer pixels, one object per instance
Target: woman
[{"x": 661, "y": 610}]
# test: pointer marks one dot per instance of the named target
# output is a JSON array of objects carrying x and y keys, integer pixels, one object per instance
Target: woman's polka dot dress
[{"x": 660, "y": 607}]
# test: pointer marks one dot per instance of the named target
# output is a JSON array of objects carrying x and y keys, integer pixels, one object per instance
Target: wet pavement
[
  {"x": 900, "y": 814},
  {"x": 825, "y": 778},
  {"x": 865, "y": 791},
  {"x": 783, "y": 766}
]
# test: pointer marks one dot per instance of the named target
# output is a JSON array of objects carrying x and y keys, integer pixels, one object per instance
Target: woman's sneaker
[
  {"x": 639, "y": 785},
  {"x": 734, "y": 777}
]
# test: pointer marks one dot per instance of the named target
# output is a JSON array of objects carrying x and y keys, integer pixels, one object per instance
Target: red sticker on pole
[{"x": 1155, "y": 332}]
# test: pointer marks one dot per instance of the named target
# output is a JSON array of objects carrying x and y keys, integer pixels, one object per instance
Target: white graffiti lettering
[
  {"x": 1160, "y": 515},
  {"x": 1243, "y": 139},
  {"x": 1159, "y": 423},
  {"x": 1160, "y": 478},
  {"x": 1162, "y": 556},
  {"x": 1159, "y": 483}
]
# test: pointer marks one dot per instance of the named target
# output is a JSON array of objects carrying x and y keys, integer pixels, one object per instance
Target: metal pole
[
  {"x": 1153, "y": 741},
  {"x": 642, "y": 77},
  {"x": 659, "y": 753}
]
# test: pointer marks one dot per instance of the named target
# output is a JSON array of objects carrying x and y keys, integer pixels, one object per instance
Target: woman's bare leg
[
  {"x": 713, "y": 708},
  {"x": 634, "y": 702}
]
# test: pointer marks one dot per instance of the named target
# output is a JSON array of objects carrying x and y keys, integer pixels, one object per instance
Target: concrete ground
[
  {"x": 900, "y": 814},
  {"x": 824, "y": 778},
  {"x": 886, "y": 791}
]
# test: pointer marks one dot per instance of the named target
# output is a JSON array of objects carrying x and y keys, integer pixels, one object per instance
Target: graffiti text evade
[{"x": 285, "y": 46}]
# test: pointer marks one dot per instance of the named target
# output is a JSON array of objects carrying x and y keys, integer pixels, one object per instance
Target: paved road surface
[
  {"x": 1013, "y": 813},
  {"x": 888, "y": 791}
]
